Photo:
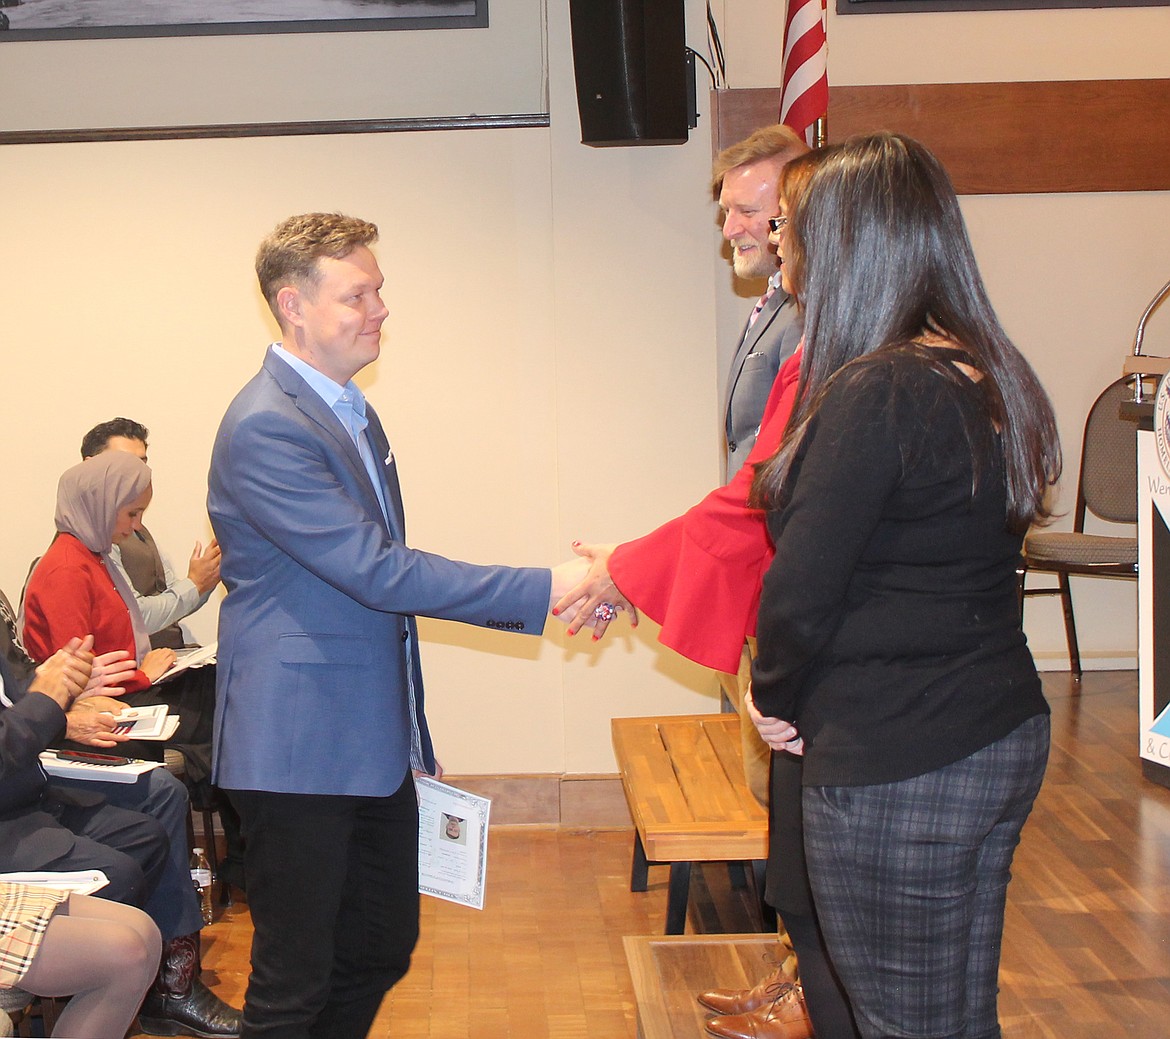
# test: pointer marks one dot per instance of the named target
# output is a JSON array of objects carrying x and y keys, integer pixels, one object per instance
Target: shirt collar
[
  {"x": 325, "y": 388},
  {"x": 347, "y": 402}
]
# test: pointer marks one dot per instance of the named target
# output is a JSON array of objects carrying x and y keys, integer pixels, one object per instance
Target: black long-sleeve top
[{"x": 889, "y": 626}]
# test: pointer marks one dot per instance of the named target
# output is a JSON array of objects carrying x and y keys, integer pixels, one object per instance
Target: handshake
[{"x": 583, "y": 593}]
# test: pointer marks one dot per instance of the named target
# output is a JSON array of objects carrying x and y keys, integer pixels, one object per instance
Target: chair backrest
[{"x": 1108, "y": 480}]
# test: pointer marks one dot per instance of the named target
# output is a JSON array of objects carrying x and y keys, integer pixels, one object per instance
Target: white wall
[
  {"x": 539, "y": 358},
  {"x": 548, "y": 369}
]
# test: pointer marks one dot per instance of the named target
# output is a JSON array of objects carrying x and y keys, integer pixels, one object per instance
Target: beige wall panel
[{"x": 65, "y": 84}]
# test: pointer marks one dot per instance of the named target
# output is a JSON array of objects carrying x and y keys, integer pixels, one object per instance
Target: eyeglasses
[{"x": 777, "y": 223}]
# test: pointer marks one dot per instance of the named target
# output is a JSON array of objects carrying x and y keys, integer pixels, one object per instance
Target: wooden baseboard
[
  {"x": 593, "y": 802},
  {"x": 588, "y": 801}
]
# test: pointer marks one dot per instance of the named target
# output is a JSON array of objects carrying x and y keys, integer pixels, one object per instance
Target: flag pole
[{"x": 804, "y": 81}]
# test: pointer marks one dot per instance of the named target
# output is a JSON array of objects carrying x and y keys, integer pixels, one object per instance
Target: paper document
[
  {"x": 452, "y": 842},
  {"x": 74, "y": 769},
  {"x": 146, "y": 723},
  {"x": 78, "y": 881},
  {"x": 188, "y": 658}
]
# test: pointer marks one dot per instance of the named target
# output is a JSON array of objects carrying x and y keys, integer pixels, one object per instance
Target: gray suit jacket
[{"x": 762, "y": 349}]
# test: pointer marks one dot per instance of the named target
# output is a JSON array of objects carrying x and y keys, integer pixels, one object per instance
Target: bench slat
[
  {"x": 648, "y": 778},
  {"x": 683, "y": 781},
  {"x": 700, "y": 773}
]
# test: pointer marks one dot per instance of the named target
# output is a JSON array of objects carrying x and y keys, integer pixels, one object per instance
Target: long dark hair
[{"x": 879, "y": 256}]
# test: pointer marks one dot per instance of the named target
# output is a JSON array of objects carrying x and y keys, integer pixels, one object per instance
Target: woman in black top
[{"x": 921, "y": 448}]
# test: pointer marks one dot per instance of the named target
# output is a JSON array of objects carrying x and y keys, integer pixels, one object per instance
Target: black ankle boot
[{"x": 178, "y": 1002}]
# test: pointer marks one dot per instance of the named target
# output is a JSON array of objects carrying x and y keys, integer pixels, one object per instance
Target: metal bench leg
[
  {"x": 768, "y": 919},
  {"x": 676, "y": 898},
  {"x": 737, "y": 876},
  {"x": 640, "y": 869}
]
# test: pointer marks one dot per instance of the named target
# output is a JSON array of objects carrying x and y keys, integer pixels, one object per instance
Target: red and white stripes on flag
[{"x": 804, "y": 93}]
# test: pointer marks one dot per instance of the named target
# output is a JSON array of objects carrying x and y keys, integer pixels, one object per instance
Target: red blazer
[
  {"x": 699, "y": 575},
  {"x": 70, "y": 594}
]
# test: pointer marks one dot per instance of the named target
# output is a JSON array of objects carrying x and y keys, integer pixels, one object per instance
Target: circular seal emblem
[{"x": 1162, "y": 424}]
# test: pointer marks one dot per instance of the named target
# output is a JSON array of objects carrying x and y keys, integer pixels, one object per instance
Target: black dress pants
[
  {"x": 61, "y": 833},
  {"x": 333, "y": 893},
  {"x": 788, "y": 891}
]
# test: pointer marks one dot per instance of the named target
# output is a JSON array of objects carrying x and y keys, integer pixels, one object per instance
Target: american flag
[{"x": 804, "y": 93}]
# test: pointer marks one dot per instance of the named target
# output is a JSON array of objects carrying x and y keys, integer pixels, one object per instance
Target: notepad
[
  {"x": 77, "y": 881},
  {"x": 68, "y": 769},
  {"x": 200, "y": 656},
  {"x": 147, "y": 723}
]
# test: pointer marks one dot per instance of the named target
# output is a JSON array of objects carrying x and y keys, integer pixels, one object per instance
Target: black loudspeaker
[{"x": 630, "y": 59}]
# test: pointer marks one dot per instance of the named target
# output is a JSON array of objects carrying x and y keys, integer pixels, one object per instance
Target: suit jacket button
[
  {"x": 405, "y": 636},
  {"x": 519, "y": 625}
]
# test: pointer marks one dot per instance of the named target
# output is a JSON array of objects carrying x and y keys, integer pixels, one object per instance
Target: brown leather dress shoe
[
  {"x": 744, "y": 1001},
  {"x": 784, "y": 1017}
]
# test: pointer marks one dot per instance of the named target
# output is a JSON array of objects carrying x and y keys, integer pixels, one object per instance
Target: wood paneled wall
[{"x": 1000, "y": 138}]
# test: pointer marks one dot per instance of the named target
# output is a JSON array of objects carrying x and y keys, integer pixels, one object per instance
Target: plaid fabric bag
[{"x": 25, "y": 911}]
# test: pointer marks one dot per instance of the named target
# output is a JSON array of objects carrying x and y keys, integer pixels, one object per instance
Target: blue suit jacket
[{"x": 317, "y": 639}]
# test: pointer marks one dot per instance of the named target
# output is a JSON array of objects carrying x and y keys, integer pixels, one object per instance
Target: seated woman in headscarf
[{"x": 74, "y": 589}]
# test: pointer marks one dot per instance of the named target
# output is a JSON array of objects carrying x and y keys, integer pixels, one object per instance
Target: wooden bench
[{"x": 684, "y": 784}]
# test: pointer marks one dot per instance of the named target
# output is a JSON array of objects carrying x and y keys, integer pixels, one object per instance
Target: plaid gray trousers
[{"x": 910, "y": 881}]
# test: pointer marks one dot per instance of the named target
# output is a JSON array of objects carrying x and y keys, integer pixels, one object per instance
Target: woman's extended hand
[
  {"x": 597, "y": 588},
  {"x": 156, "y": 663},
  {"x": 777, "y": 734}
]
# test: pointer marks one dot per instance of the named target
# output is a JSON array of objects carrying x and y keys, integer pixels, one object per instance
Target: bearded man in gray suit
[{"x": 745, "y": 180}]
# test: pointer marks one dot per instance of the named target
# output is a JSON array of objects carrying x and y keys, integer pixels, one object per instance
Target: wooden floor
[{"x": 1086, "y": 949}]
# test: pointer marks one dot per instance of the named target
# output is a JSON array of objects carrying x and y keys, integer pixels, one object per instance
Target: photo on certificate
[{"x": 452, "y": 842}]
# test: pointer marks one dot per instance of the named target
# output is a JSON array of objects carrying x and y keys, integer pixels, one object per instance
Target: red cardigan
[
  {"x": 70, "y": 594},
  {"x": 699, "y": 575}
]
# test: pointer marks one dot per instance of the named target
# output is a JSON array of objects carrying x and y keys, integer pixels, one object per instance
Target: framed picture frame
[
  {"x": 923, "y": 6},
  {"x": 32, "y": 20}
]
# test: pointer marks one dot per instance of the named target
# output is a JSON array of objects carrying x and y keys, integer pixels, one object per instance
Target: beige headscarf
[{"x": 89, "y": 498}]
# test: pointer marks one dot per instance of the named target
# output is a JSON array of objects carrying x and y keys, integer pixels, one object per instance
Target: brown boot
[
  {"x": 784, "y": 1017},
  {"x": 744, "y": 1001},
  {"x": 178, "y": 1002}
]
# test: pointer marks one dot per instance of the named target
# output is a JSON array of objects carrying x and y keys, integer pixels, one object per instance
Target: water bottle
[{"x": 201, "y": 878}]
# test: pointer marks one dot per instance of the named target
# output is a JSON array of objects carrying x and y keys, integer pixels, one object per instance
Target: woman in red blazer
[{"x": 76, "y": 590}]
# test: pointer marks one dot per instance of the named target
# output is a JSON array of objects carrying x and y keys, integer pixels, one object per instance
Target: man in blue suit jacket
[{"x": 319, "y": 721}]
